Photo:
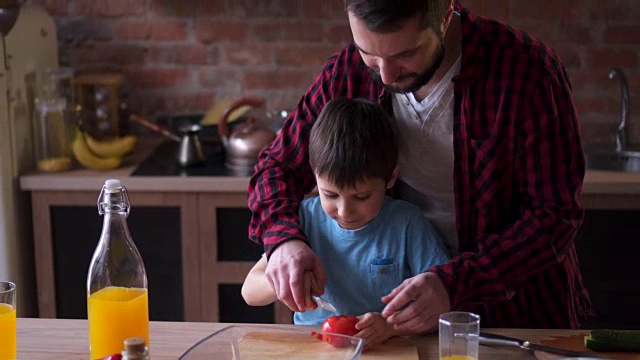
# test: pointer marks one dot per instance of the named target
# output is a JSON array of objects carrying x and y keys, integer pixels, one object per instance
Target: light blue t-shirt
[{"x": 365, "y": 264}]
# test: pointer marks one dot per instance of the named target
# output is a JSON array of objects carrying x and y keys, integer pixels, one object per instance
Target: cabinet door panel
[
  {"x": 608, "y": 248},
  {"x": 233, "y": 240},
  {"x": 156, "y": 233}
]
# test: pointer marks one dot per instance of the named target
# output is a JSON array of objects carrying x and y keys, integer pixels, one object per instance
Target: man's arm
[{"x": 283, "y": 176}]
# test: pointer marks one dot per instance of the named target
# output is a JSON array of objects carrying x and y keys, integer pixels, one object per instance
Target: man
[{"x": 491, "y": 153}]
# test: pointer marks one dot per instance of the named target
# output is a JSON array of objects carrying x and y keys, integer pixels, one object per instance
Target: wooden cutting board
[{"x": 265, "y": 345}]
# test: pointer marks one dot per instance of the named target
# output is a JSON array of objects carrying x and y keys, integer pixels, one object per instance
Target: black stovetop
[{"x": 163, "y": 161}]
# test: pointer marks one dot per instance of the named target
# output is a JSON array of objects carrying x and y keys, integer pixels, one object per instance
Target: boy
[{"x": 369, "y": 243}]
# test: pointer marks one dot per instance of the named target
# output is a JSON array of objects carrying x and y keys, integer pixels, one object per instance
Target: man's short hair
[{"x": 385, "y": 16}]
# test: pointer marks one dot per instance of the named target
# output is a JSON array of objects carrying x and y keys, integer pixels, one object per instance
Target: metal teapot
[{"x": 246, "y": 141}]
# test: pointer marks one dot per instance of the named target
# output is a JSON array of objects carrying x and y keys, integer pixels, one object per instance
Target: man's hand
[
  {"x": 374, "y": 330},
  {"x": 285, "y": 271},
  {"x": 416, "y": 304}
]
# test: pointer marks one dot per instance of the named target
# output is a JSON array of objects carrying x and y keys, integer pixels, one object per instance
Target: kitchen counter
[
  {"x": 601, "y": 190},
  {"x": 595, "y": 182},
  {"x": 44, "y": 339},
  {"x": 80, "y": 179}
]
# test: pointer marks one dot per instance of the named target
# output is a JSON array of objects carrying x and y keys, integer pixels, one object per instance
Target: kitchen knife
[
  {"x": 501, "y": 340},
  {"x": 323, "y": 303}
]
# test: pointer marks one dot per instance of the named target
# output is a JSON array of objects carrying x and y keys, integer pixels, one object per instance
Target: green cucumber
[{"x": 613, "y": 340}]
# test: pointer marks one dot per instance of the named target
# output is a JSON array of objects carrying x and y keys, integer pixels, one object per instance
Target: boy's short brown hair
[{"x": 352, "y": 140}]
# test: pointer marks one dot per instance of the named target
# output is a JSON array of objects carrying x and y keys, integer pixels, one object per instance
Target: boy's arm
[{"x": 256, "y": 289}]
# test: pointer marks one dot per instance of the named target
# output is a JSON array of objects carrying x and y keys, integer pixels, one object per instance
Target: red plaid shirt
[{"x": 518, "y": 176}]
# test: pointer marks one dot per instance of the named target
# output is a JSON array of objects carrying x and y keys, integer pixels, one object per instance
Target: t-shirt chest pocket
[{"x": 384, "y": 276}]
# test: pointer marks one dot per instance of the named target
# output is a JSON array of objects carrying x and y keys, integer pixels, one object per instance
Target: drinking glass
[
  {"x": 459, "y": 332},
  {"x": 7, "y": 320}
]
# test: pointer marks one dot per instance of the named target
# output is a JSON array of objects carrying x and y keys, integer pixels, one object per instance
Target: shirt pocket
[{"x": 383, "y": 278}]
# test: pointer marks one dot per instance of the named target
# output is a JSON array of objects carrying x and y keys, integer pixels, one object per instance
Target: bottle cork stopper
[
  {"x": 112, "y": 184},
  {"x": 134, "y": 345}
]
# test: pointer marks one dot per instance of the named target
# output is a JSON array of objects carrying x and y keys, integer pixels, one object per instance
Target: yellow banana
[
  {"x": 90, "y": 160},
  {"x": 112, "y": 148}
]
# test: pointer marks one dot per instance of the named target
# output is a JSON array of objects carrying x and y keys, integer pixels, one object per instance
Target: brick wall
[{"x": 180, "y": 56}]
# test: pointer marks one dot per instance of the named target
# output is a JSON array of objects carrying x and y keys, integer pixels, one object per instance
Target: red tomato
[{"x": 338, "y": 324}]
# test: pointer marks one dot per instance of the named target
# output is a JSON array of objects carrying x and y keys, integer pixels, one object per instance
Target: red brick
[
  {"x": 338, "y": 34},
  {"x": 209, "y": 32},
  {"x": 154, "y": 30},
  {"x": 182, "y": 54},
  {"x": 622, "y": 35},
  {"x": 309, "y": 56},
  {"x": 550, "y": 11},
  {"x": 174, "y": 8},
  {"x": 156, "y": 78},
  {"x": 110, "y": 8},
  {"x": 610, "y": 57},
  {"x": 570, "y": 57},
  {"x": 209, "y": 8},
  {"x": 591, "y": 104},
  {"x": 497, "y": 9},
  {"x": 266, "y": 32},
  {"x": 107, "y": 54},
  {"x": 263, "y": 8},
  {"x": 571, "y": 32},
  {"x": 226, "y": 79},
  {"x": 303, "y": 31},
  {"x": 279, "y": 79},
  {"x": 326, "y": 9},
  {"x": 53, "y": 7},
  {"x": 596, "y": 128},
  {"x": 169, "y": 31},
  {"x": 248, "y": 55},
  {"x": 174, "y": 102},
  {"x": 187, "y": 9},
  {"x": 613, "y": 11},
  {"x": 589, "y": 79}
]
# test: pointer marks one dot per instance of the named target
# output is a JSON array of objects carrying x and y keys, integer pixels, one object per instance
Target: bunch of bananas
[{"x": 101, "y": 155}]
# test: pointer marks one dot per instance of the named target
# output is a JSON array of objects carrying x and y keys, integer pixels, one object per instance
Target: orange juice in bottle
[{"x": 117, "y": 295}]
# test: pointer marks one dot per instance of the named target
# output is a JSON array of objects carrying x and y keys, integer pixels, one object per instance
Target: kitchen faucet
[{"x": 622, "y": 140}]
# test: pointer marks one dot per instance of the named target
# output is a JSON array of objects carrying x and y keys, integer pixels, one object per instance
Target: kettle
[{"x": 248, "y": 138}]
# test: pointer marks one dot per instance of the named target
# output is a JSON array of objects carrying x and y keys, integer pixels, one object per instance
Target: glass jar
[{"x": 54, "y": 123}]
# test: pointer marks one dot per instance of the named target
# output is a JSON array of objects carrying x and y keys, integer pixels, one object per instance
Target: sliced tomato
[{"x": 338, "y": 324}]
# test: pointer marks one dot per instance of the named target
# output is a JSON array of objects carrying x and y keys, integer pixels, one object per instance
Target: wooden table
[{"x": 46, "y": 339}]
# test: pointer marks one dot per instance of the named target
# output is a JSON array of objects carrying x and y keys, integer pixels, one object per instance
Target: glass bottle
[
  {"x": 117, "y": 293},
  {"x": 135, "y": 349}
]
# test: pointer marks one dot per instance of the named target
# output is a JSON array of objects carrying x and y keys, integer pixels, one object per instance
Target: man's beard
[{"x": 419, "y": 79}]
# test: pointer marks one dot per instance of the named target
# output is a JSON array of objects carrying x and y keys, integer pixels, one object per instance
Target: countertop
[
  {"x": 595, "y": 182},
  {"x": 44, "y": 339}
]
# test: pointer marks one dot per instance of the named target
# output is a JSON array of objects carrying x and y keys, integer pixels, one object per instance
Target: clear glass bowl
[{"x": 248, "y": 342}]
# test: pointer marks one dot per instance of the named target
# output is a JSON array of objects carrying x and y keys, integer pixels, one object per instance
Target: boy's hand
[{"x": 374, "y": 329}]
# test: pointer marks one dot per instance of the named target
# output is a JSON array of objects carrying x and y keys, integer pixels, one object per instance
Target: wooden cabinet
[{"x": 194, "y": 245}]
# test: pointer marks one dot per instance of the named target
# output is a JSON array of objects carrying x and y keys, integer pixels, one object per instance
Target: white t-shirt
[{"x": 426, "y": 155}]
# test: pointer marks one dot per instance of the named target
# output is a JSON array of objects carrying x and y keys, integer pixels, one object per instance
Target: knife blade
[
  {"x": 489, "y": 339},
  {"x": 323, "y": 303}
]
